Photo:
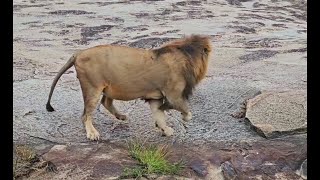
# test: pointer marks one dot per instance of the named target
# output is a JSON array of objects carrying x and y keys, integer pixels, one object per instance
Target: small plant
[
  {"x": 24, "y": 157},
  {"x": 26, "y": 161},
  {"x": 152, "y": 160},
  {"x": 136, "y": 172},
  {"x": 25, "y": 153}
]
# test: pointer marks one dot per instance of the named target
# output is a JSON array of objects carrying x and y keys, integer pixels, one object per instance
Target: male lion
[{"x": 165, "y": 77}]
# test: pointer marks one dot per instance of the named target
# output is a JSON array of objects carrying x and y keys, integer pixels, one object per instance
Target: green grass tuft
[
  {"x": 136, "y": 172},
  {"x": 152, "y": 160}
]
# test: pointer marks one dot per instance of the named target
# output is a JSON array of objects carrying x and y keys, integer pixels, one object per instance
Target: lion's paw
[
  {"x": 168, "y": 131},
  {"x": 93, "y": 134},
  {"x": 187, "y": 117}
]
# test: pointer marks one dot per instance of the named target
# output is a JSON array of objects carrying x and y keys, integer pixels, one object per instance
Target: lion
[{"x": 165, "y": 77}]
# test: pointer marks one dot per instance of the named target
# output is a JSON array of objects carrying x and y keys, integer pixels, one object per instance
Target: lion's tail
[{"x": 68, "y": 65}]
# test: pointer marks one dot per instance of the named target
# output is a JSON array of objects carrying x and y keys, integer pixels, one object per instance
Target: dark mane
[
  {"x": 192, "y": 46},
  {"x": 196, "y": 49},
  {"x": 160, "y": 51}
]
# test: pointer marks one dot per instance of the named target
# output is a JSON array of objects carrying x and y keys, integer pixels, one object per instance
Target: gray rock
[
  {"x": 200, "y": 168},
  {"x": 258, "y": 55},
  {"x": 256, "y": 4},
  {"x": 278, "y": 113},
  {"x": 303, "y": 170},
  {"x": 234, "y": 2},
  {"x": 228, "y": 171}
]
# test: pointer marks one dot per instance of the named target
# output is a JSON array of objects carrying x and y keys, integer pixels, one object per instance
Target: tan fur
[{"x": 164, "y": 76}]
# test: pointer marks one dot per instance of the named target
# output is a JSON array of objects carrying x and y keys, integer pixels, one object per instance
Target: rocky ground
[{"x": 249, "y": 112}]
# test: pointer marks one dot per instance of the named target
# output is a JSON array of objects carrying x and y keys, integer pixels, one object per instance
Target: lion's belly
[{"x": 127, "y": 94}]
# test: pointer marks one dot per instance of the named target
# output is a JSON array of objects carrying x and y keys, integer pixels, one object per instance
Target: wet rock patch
[
  {"x": 301, "y": 16},
  {"x": 234, "y": 2},
  {"x": 139, "y": 37},
  {"x": 166, "y": 12},
  {"x": 115, "y": 19},
  {"x": 104, "y": 3},
  {"x": 258, "y": 55},
  {"x": 18, "y": 7},
  {"x": 296, "y": 50},
  {"x": 265, "y": 43},
  {"x": 140, "y": 15},
  {"x": 279, "y": 25},
  {"x": 31, "y": 22},
  {"x": 177, "y": 18},
  {"x": 243, "y": 29},
  {"x": 302, "y": 31},
  {"x": 194, "y": 3},
  {"x": 92, "y": 33},
  {"x": 185, "y": 3},
  {"x": 257, "y": 4},
  {"x": 193, "y": 14},
  {"x": 165, "y": 32},
  {"x": 74, "y": 12},
  {"x": 247, "y": 16},
  {"x": 87, "y": 3},
  {"x": 112, "y": 2},
  {"x": 149, "y": 42},
  {"x": 136, "y": 28},
  {"x": 120, "y": 42}
]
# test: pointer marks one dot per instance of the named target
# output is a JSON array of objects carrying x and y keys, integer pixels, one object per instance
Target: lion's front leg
[
  {"x": 174, "y": 100},
  {"x": 159, "y": 117},
  {"x": 108, "y": 104},
  {"x": 179, "y": 105}
]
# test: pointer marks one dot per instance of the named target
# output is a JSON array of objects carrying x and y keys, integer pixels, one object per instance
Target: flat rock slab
[
  {"x": 253, "y": 50},
  {"x": 303, "y": 169},
  {"x": 275, "y": 113},
  {"x": 97, "y": 161},
  {"x": 281, "y": 158}
]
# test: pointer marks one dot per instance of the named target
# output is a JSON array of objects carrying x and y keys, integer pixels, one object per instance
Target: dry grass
[
  {"x": 23, "y": 159},
  {"x": 26, "y": 161}
]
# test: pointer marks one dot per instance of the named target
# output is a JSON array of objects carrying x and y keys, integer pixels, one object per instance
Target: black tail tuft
[{"x": 49, "y": 107}]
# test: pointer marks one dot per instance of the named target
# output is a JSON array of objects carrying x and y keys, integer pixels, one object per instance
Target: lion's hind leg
[
  {"x": 91, "y": 97},
  {"x": 159, "y": 117},
  {"x": 108, "y": 104}
]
